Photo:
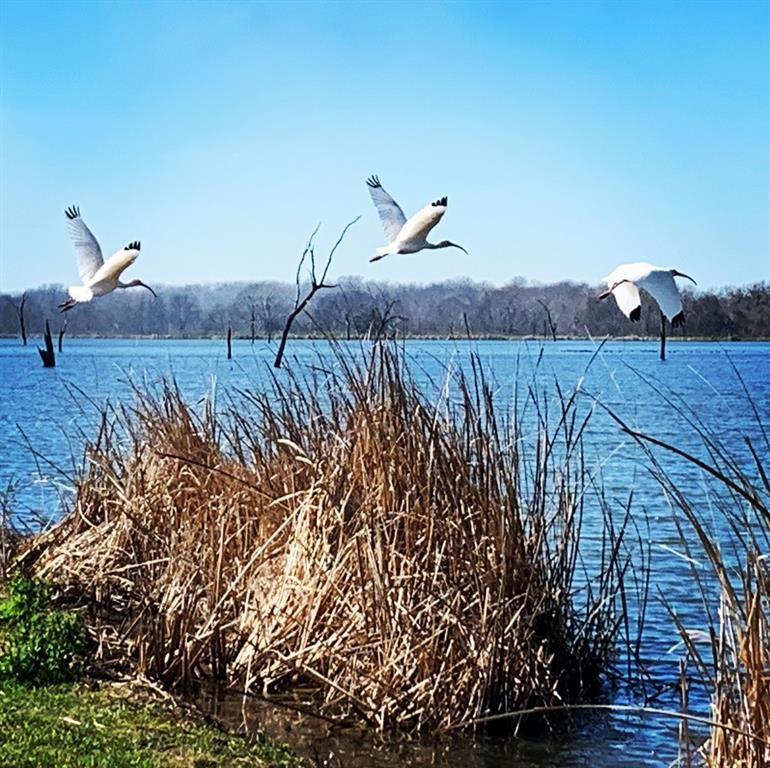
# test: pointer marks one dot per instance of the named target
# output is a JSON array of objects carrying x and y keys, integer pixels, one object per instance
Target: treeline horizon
[{"x": 357, "y": 308}]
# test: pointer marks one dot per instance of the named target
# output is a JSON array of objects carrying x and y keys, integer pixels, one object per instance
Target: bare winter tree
[
  {"x": 268, "y": 317},
  {"x": 183, "y": 310},
  {"x": 20, "y": 314},
  {"x": 434, "y": 309},
  {"x": 316, "y": 284},
  {"x": 385, "y": 319},
  {"x": 353, "y": 309},
  {"x": 551, "y": 324},
  {"x": 252, "y": 319}
]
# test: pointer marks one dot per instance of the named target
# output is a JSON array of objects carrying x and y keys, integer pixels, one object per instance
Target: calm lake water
[{"x": 46, "y": 413}]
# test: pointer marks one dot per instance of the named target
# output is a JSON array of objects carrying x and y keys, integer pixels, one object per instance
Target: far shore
[{"x": 462, "y": 337}]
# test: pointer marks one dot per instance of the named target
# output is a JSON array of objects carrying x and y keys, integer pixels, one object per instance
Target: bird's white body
[
  {"x": 625, "y": 281},
  {"x": 406, "y": 235},
  {"x": 106, "y": 278},
  {"x": 99, "y": 277},
  {"x": 413, "y": 235}
]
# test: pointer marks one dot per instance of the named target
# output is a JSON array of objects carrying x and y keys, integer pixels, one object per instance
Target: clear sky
[{"x": 569, "y": 137}]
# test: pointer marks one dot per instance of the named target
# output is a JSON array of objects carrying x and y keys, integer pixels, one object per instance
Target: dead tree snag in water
[
  {"x": 316, "y": 284},
  {"x": 20, "y": 314},
  {"x": 47, "y": 355},
  {"x": 662, "y": 336},
  {"x": 62, "y": 331}
]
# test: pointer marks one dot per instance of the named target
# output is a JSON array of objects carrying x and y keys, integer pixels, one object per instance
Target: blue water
[{"x": 47, "y": 414}]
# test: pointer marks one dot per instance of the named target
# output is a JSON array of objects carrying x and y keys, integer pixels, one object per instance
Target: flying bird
[
  {"x": 406, "y": 235},
  {"x": 624, "y": 284},
  {"x": 99, "y": 277}
]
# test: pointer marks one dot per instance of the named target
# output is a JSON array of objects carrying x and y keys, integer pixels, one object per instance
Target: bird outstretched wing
[
  {"x": 391, "y": 215},
  {"x": 661, "y": 286},
  {"x": 87, "y": 248},
  {"x": 419, "y": 225},
  {"x": 628, "y": 299}
]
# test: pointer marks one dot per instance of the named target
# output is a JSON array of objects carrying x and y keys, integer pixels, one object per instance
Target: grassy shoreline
[
  {"x": 56, "y": 711},
  {"x": 120, "y": 725}
]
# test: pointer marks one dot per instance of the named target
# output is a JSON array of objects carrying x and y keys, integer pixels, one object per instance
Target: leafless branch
[
  {"x": 336, "y": 245},
  {"x": 309, "y": 250},
  {"x": 301, "y": 302}
]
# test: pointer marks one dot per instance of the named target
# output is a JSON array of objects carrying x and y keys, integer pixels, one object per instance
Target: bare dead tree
[
  {"x": 348, "y": 313},
  {"x": 509, "y": 319},
  {"x": 662, "y": 336},
  {"x": 62, "y": 331},
  {"x": 22, "y": 326},
  {"x": 47, "y": 355},
  {"x": 384, "y": 319},
  {"x": 316, "y": 284},
  {"x": 467, "y": 326},
  {"x": 551, "y": 323},
  {"x": 20, "y": 314},
  {"x": 268, "y": 317}
]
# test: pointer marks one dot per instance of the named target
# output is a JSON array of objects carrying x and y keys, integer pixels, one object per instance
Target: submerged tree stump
[
  {"x": 662, "y": 336},
  {"x": 47, "y": 355},
  {"x": 62, "y": 331}
]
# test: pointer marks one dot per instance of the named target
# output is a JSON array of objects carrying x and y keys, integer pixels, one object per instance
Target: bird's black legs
[{"x": 66, "y": 306}]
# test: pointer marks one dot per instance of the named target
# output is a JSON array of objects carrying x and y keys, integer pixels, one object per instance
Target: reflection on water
[
  {"x": 47, "y": 414},
  {"x": 587, "y": 740}
]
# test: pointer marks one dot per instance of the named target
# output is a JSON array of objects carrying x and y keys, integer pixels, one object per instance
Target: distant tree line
[{"x": 357, "y": 308}]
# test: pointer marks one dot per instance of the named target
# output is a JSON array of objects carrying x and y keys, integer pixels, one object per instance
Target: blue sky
[{"x": 569, "y": 137}]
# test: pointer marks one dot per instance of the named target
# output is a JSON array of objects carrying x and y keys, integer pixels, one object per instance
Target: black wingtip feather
[
  {"x": 441, "y": 201},
  {"x": 636, "y": 314},
  {"x": 73, "y": 212},
  {"x": 373, "y": 182},
  {"x": 135, "y": 246},
  {"x": 677, "y": 321}
]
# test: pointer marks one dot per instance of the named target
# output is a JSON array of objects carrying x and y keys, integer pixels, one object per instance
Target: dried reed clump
[
  {"x": 409, "y": 555},
  {"x": 741, "y": 694},
  {"x": 732, "y": 575},
  {"x": 738, "y": 672}
]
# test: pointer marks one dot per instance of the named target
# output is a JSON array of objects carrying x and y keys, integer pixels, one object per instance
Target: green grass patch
[
  {"x": 39, "y": 645},
  {"x": 67, "y": 726}
]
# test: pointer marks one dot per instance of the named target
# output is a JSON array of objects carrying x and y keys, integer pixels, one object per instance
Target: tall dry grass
[
  {"x": 726, "y": 538},
  {"x": 414, "y": 558}
]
